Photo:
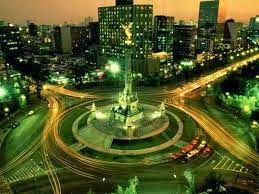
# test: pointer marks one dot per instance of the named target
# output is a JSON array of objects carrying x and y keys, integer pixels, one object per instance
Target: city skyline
[{"x": 50, "y": 12}]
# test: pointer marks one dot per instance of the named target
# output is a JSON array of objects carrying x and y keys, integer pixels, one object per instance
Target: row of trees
[
  {"x": 240, "y": 90},
  {"x": 213, "y": 182},
  {"x": 130, "y": 189}
]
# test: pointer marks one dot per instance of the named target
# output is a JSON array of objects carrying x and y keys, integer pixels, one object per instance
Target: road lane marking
[
  {"x": 230, "y": 165},
  {"x": 219, "y": 163},
  {"x": 225, "y": 163}
]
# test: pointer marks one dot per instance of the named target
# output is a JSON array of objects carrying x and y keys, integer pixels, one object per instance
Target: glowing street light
[
  {"x": 2, "y": 92},
  {"x": 114, "y": 68},
  {"x": 6, "y": 109},
  {"x": 23, "y": 97}
]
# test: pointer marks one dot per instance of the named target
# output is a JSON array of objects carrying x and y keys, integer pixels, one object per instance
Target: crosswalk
[
  {"x": 225, "y": 163},
  {"x": 29, "y": 170}
]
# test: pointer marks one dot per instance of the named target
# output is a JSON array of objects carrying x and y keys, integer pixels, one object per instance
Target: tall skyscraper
[
  {"x": 112, "y": 36},
  {"x": 163, "y": 34},
  {"x": 10, "y": 42},
  {"x": 94, "y": 30},
  {"x": 212, "y": 13},
  {"x": 230, "y": 34},
  {"x": 33, "y": 29},
  {"x": 184, "y": 42},
  {"x": 253, "y": 30},
  {"x": 71, "y": 39}
]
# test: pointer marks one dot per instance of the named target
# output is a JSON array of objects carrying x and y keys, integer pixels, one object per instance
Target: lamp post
[
  {"x": 6, "y": 111},
  {"x": 2, "y": 92}
]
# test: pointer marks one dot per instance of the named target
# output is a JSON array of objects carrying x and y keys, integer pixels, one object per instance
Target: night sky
[{"x": 74, "y": 11}]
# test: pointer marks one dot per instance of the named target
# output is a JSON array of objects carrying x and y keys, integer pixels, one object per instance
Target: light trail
[
  {"x": 212, "y": 127},
  {"x": 66, "y": 92},
  {"x": 221, "y": 136},
  {"x": 56, "y": 107},
  {"x": 53, "y": 146}
]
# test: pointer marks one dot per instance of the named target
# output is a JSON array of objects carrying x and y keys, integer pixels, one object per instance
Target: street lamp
[
  {"x": 114, "y": 68},
  {"x": 2, "y": 92},
  {"x": 23, "y": 97},
  {"x": 6, "y": 109}
]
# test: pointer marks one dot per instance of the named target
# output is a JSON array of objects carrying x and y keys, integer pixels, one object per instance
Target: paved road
[{"x": 94, "y": 169}]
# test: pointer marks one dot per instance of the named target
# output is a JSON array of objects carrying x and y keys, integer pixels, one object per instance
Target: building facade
[
  {"x": 212, "y": 15},
  {"x": 163, "y": 34},
  {"x": 112, "y": 36},
  {"x": 184, "y": 42},
  {"x": 10, "y": 42},
  {"x": 253, "y": 30},
  {"x": 94, "y": 31},
  {"x": 230, "y": 34},
  {"x": 71, "y": 39}
]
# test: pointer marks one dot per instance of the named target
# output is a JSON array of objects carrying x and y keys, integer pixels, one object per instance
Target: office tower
[
  {"x": 212, "y": 15},
  {"x": 10, "y": 42},
  {"x": 184, "y": 42},
  {"x": 230, "y": 34},
  {"x": 253, "y": 30},
  {"x": 163, "y": 34},
  {"x": 94, "y": 31},
  {"x": 112, "y": 36},
  {"x": 71, "y": 39},
  {"x": 33, "y": 29},
  {"x": 57, "y": 39}
]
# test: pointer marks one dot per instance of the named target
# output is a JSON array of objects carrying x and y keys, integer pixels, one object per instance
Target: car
[
  {"x": 192, "y": 153},
  {"x": 208, "y": 150},
  {"x": 202, "y": 145},
  {"x": 176, "y": 155},
  {"x": 195, "y": 142},
  {"x": 187, "y": 148}
]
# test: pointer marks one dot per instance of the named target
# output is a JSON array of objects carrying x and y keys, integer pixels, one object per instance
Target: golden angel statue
[{"x": 127, "y": 29}]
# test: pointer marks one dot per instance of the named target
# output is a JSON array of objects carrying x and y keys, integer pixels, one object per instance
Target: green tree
[
  {"x": 191, "y": 182},
  {"x": 131, "y": 189},
  {"x": 214, "y": 181}
]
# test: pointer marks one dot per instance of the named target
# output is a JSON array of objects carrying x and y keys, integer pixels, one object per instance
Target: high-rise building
[
  {"x": 57, "y": 39},
  {"x": 94, "y": 30},
  {"x": 112, "y": 35},
  {"x": 10, "y": 42},
  {"x": 124, "y": 2},
  {"x": 71, "y": 39},
  {"x": 163, "y": 34},
  {"x": 33, "y": 29},
  {"x": 231, "y": 34},
  {"x": 184, "y": 42},
  {"x": 212, "y": 13},
  {"x": 253, "y": 30}
]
